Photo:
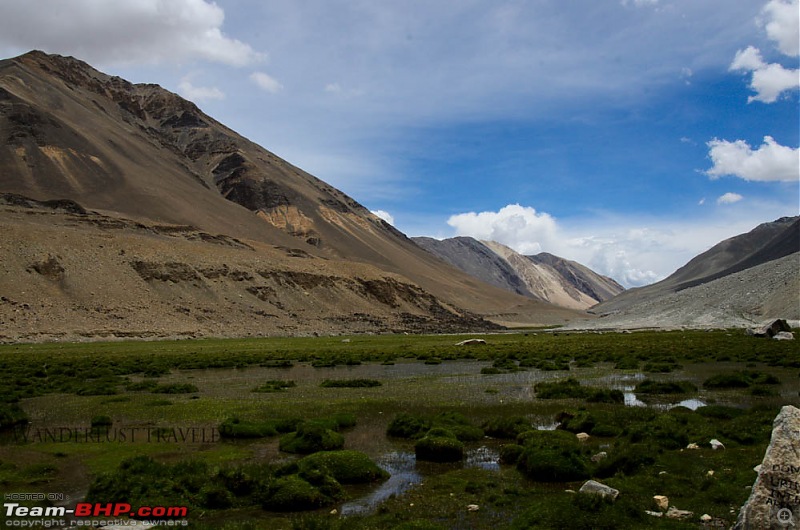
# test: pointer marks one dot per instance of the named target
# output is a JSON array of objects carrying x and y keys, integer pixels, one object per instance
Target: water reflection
[
  {"x": 404, "y": 475},
  {"x": 403, "y": 469},
  {"x": 632, "y": 401},
  {"x": 484, "y": 458}
]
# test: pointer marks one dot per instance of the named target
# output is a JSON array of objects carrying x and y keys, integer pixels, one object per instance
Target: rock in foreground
[{"x": 775, "y": 500}]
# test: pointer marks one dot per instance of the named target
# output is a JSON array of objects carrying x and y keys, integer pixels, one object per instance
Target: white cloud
[
  {"x": 519, "y": 227},
  {"x": 782, "y": 24},
  {"x": 770, "y": 162},
  {"x": 729, "y": 198},
  {"x": 383, "y": 214},
  {"x": 265, "y": 82},
  {"x": 769, "y": 80},
  {"x": 124, "y": 31},
  {"x": 197, "y": 93}
]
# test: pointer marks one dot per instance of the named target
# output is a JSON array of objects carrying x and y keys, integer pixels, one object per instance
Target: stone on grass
[
  {"x": 473, "y": 507},
  {"x": 471, "y": 342},
  {"x": 654, "y": 514},
  {"x": 674, "y": 513},
  {"x": 602, "y": 455},
  {"x": 692, "y": 446},
  {"x": 770, "y": 329},
  {"x": 716, "y": 444},
  {"x": 662, "y": 501},
  {"x": 775, "y": 498},
  {"x": 783, "y": 335},
  {"x": 705, "y": 518},
  {"x": 582, "y": 436},
  {"x": 592, "y": 487}
]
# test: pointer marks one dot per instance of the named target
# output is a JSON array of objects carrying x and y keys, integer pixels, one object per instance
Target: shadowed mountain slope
[{"x": 765, "y": 243}]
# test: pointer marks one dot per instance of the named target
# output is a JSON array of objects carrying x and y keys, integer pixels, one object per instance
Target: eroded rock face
[{"x": 775, "y": 500}]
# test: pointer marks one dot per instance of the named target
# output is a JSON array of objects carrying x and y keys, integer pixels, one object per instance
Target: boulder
[
  {"x": 661, "y": 501},
  {"x": 774, "y": 501},
  {"x": 716, "y": 444},
  {"x": 783, "y": 335},
  {"x": 592, "y": 487},
  {"x": 770, "y": 329},
  {"x": 582, "y": 436},
  {"x": 692, "y": 446}
]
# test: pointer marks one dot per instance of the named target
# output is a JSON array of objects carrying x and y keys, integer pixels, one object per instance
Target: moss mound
[
  {"x": 347, "y": 467},
  {"x": 310, "y": 438},
  {"x": 439, "y": 445}
]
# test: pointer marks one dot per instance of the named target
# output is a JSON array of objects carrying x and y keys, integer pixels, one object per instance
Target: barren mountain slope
[
  {"x": 69, "y": 274},
  {"x": 766, "y": 242},
  {"x": 596, "y": 286},
  {"x": 741, "y": 299},
  {"x": 143, "y": 153}
]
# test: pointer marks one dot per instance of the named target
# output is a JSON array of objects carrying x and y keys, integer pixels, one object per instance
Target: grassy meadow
[{"x": 285, "y": 432}]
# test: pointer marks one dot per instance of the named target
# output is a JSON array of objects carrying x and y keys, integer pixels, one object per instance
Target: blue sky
[{"x": 626, "y": 134}]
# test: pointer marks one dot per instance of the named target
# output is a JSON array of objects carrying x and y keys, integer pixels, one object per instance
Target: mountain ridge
[{"x": 140, "y": 153}]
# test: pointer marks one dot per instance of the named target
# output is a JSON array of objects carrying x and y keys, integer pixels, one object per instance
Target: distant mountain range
[{"x": 543, "y": 277}]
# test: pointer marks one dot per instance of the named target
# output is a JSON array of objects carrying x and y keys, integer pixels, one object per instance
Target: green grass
[{"x": 73, "y": 384}]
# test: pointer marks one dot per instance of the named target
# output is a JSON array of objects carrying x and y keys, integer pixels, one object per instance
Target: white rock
[
  {"x": 692, "y": 446},
  {"x": 783, "y": 335},
  {"x": 582, "y": 436},
  {"x": 654, "y": 514},
  {"x": 705, "y": 518},
  {"x": 674, "y": 513},
  {"x": 473, "y": 507},
  {"x": 716, "y": 444},
  {"x": 593, "y": 487},
  {"x": 470, "y": 342}
]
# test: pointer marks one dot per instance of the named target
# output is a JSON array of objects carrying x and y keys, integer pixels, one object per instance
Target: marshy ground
[{"x": 642, "y": 397}]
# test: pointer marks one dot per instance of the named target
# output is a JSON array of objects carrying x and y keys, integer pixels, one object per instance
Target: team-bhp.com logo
[{"x": 57, "y": 516}]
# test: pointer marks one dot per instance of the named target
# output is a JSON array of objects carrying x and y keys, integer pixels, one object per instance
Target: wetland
[{"x": 233, "y": 428}]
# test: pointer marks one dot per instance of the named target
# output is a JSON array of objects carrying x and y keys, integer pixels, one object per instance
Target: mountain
[
  {"x": 543, "y": 277},
  {"x": 744, "y": 279},
  {"x": 88, "y": 157}
]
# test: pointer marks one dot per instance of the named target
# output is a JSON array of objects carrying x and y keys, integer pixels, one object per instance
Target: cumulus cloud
[
  {"x": 769, "y": 81},
  {"x": 519, "y": 227},
  {"x": 383, "y": 214},
  {"x": 124, "y": 31},
  {"x": 781, "y": 20},
  {"x": 266, "y": 82},
  {"x": 770, "y": 162},
  {"x": 198, "y": 93},
  {"x": 729, "y": 198}
]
